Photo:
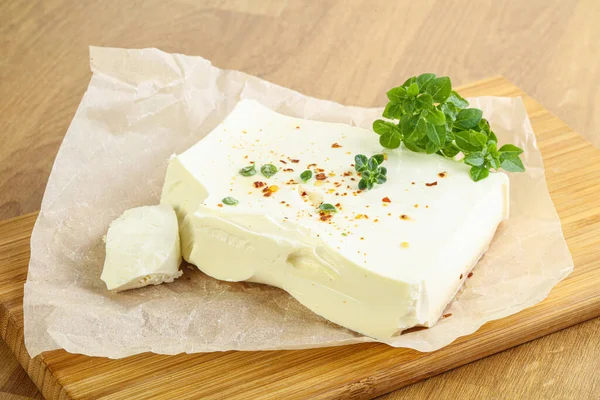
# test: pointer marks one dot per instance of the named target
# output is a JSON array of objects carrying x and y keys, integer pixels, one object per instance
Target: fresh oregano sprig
[
  {"x": 433, "y": 118},
  {"x": 371, "y": 171}
]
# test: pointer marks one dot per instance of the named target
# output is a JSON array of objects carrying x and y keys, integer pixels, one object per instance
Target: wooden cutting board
[{"x": 356, "y": 371}]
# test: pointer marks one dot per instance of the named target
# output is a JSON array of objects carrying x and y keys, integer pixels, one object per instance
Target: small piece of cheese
[
  {"x": 376, "y": 267},
  {"x": 142, "y": 248}
]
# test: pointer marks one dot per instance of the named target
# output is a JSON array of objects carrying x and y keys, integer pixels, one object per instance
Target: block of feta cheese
[
  {"x": 142, "y": 248},
  {"x": 389, "y": 259}
]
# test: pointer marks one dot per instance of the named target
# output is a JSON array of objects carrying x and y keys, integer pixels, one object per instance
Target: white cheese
[
  {"x": 142, "y": 248},
  {"x": 375, "y": 267}
]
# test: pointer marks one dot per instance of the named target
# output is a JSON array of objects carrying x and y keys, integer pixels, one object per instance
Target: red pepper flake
[
  {"x": 309, "y": 166},
  {"x": 265, "y": 189},
  {"x": 386, "y": 200},
  {"x": 320, "y": 176},
  {"x": 220, "y": 205},
  {"x": 291, "y": 182},
  {"x": 268, "y": 193},
  {"x": 325, "y": 216},
  {"x": 352, "y": 179},
  {"x": 461, "y": 275},
  {"x": 303, "y": 194},
  {"x": 295, "y": 161},
  {"x": 347, "y": 173},
  {"x": 251, "y": 162},
  {"x": 404, "y": 217},
  {"x": 447, "y": 315},
  {"x": 376, "y": 220},
  {"x": 288, "y": 170},
  {"x": 338, "y": 205},
  {"x": 412, "y": 183},
  {"x": 431, "y": 184},
  {"x": 281, "y": 161},
  {"x": 442, "y": 174},
  {"x": 259, "y": 184},
  {"x": 335, "y": 146},
  {"x": 470, "y": 275},
  {"x": 320, "y": 170},
  {"x": 297, "y": 127}
]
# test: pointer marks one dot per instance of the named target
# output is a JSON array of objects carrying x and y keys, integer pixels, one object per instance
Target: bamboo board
[{"x": 356, "y": 371}]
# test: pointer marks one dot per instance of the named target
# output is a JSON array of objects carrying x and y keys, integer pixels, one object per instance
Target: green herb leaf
[
  {"x": 230, "y": 201},
  {"x": 268, "y": 170},
  {"x": 424, "y": 101},
  {"x": 378, "y": 158},
  {"x": 495, "y": 163},
  {"x": 390, "y": 140},
  {"x": 450, "y": 111},
  {"x": 392, "y": 111},
  {"x": 248, "y": 171},
  {"x": 409, "y": 106},
  {"x": 380, "y": 126},
  {"x": 372, "y": 164},
  {"x": 328, "y": 208},
  {"x": 413, "y": 90},
  {"x": 439, "y": 89},
  {"x": 511, "y": 163},
  {"x": 362, "y": 184},
  {"x": 397, "y": 94},
  {"x": 437, "y": 136},
  {"x": 431, "y": 148},
  {"x": 475, "y": 159},
  {"x": 414, "y": 147},
  {"x": 511, "y": 149},
  {"x": 457, "y": 100},
  {"x": 484, "y": 126},
  {"x": 479, "y": 173},
  {"x": 463, "y": 141},
  {"x": 450, "y": 150},
  {"x": 478, "y": 139},
  {"x": 468, "y": 118},
  {"x": 436, "y": 117},
  {"x": 306, "y": 175},
  {"x": 423, "y": 80},
  {"x": 360, "y": 162},
  {"x": 409, "y": 82}
]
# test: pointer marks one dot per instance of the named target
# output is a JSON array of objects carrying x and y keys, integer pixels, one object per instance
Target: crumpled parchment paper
[{"x": 144, "y": 105}]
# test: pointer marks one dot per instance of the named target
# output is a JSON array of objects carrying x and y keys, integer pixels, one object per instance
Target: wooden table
[{"x": 349, "y": 51}]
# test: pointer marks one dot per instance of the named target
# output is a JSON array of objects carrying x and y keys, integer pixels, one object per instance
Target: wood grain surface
[
  {"x": 349, "y": 51},
  {"x": 358, "y": 371}
]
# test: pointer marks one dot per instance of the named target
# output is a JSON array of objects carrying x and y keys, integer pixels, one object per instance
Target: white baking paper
[{"x": 144, "y": 105}]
